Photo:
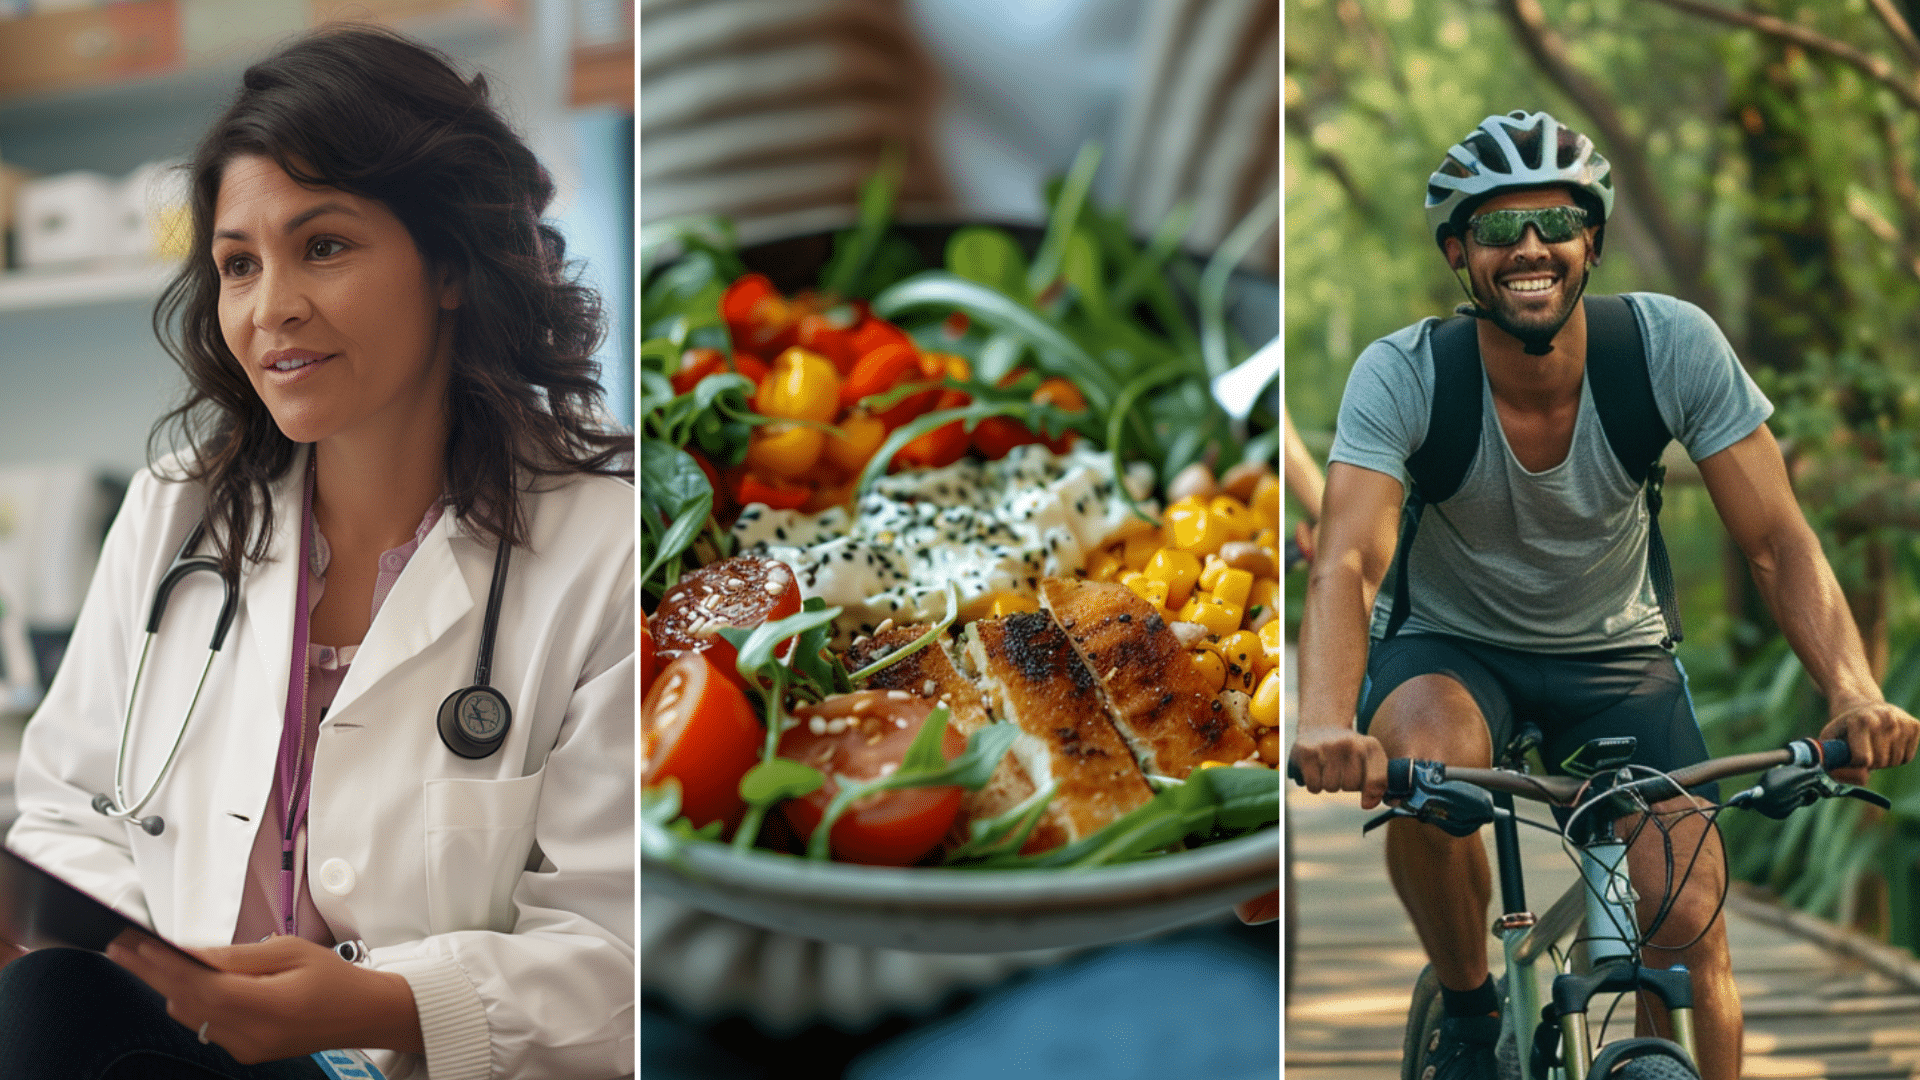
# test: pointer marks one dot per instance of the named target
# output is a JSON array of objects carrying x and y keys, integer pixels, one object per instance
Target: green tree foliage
[{"x": 1765, "y": 155}]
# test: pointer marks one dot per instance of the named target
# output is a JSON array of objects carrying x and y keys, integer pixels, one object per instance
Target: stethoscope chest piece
[{"x": 474, "y": 721}]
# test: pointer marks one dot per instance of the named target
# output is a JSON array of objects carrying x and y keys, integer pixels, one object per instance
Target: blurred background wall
[{"x": 94, "y": 96}]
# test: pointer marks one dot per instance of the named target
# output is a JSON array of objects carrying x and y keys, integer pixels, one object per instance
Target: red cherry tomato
[
  {"x": 996, "y": 436},
  {"x": 697, "y": 727},
  {"x": 732, "y": 592},
  {"x": 646, "y": 658},
  {"x": 878, "y": 372},
  {"x": 759, "y": 318},
  {"x": 778, "y": 496},
  {"x": 830, "y": 334},
  {"x": 697, "y": 364},
  {"x": 751, "y": 366},
  {"x": 943, "y": 445},
  {"x": 895, "y": 828},
  {"x": 872, "y": 333}
]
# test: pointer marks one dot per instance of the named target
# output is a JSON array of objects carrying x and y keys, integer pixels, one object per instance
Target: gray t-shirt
[{"x": 1553, "y": 561}]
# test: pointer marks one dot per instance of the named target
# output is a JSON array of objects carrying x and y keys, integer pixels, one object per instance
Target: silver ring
[{"x": 203, "y": 1031}]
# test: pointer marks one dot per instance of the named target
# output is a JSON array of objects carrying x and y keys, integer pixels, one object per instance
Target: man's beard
[{"x": 1535, "y": 332}]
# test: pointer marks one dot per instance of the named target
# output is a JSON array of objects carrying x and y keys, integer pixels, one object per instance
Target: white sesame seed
[
  {"x": 885, "y": 625},
  {"x": 900, "y": 721},
  {"x": 887, "y": 768},
  {"x": 669, "y": 699},
  {"x": 929, "y": 688},
  {"x": 863, "y": 706},
  {"x": 899, "y": 695},
  {"x": 774, "y": 588},
  {"x": 836, "y": 725},
  {"x": 817, "y": 726}
]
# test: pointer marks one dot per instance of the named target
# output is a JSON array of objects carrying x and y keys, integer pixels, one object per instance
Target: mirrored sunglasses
[{"x": 1555, "y": 224}]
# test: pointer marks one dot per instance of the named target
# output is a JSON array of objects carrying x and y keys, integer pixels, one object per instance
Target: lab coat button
[{"x": 337, "y": 877}]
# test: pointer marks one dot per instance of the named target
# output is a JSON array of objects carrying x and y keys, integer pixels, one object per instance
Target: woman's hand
[{"x": 280, "y": 998}]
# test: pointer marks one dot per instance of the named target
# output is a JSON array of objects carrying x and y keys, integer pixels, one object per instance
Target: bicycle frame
[{"x": 1606, "y": 897}]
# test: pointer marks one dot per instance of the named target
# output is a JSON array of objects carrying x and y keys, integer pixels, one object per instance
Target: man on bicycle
[{"x": 1526, "y": 594}]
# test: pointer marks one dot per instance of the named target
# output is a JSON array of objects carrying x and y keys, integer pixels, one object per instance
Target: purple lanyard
[{"x": 294, "y": 772}]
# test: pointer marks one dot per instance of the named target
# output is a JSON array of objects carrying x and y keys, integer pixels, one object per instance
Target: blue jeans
[
  {"x": 69, "y": 1014},
  {"x": 1202, "y": 1002}
]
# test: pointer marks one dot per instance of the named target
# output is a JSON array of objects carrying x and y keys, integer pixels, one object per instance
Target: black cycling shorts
[{"x": 1572, "y": 697}]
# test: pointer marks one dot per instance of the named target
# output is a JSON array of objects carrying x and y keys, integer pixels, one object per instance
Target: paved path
[{"x": 1811, "y": 1012}]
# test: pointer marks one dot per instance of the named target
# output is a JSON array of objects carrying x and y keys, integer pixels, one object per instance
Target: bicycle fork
[{"x": 1612, "y": 927}]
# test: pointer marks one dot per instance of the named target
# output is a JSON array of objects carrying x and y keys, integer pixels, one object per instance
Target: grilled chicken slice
[
  {"x": 1031, "y": 676},
  {"x": 1159, "y": 702},
  {"x": 930, "y": 673}
]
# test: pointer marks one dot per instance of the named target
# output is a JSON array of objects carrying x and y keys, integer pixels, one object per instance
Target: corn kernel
[
  {"x": 1212, "y": 669},
  {"x": 1265, "y": 708},
  {"x": 1219, "y": 619},
  {"x": 1139, "y": 549},
  {"x": 1131, "y": 527},
  {"x": 1270, "y": 540},
  {"x": 1234, "y": 586},
  {"x": 1238, "y": 649},
  {"x": 1210, "y": 573},
  {"x": 1195, "y": 530},
  {"x": 1269, "y": 746},
  {"x": 1234, "y": 516},
  {"x": 1265, "y": 594},
  {"x": 1152, "y": 590},
  {"x": 1270, "y": 642},
  {"x": 1102, "y": 566},
  {"x": 1011, "y": 603},
  {"x": 1265, "y": 503},
  {"x": 1178, "y": 569},
  {"x": 1128, "y": 577}
]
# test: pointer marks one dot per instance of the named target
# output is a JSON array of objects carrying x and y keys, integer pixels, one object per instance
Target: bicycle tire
[
  {"x": 1424, "y": 1014},
  {"x": 1654, "y": 1067}
]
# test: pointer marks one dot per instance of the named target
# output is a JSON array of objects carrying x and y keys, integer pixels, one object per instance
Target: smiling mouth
[
  {"x": 292, "y": 359},
  {"x": 1529, "y": 284}
]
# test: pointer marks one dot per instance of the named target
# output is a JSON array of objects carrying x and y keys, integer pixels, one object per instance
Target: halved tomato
[
  {"x": 697, "y": 727},
  {"x": 864, "y": 735},
  {"x": 743, "y": 591}
]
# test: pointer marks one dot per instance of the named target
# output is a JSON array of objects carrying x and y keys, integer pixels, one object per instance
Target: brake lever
[
  {"x": 1786, "y": 788},
  {"x": 1455, "y": 807}
]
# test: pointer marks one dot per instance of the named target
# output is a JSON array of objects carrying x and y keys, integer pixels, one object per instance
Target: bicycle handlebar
[{"x": 1563, "y": 790}]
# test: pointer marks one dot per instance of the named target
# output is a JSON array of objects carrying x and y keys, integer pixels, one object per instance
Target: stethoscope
[{"x": 473, "y": 721}]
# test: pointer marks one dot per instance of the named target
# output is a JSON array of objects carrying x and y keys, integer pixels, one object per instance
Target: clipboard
[{"x": 38, "y": 910}]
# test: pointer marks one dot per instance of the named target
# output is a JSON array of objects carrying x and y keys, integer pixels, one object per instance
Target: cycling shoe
[{"x": 1461, "y": 1048}]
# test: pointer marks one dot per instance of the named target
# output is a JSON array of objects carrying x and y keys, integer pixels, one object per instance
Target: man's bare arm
[
  {"x": 1750, "y": 489},
  {"x": 1358, "y": 526}
]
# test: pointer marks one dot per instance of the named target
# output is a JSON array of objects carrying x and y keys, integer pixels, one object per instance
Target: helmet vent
[
  {"x": 1453, "y": 167},
  {"x": 1569, "y": 148},
  {"x": 1527, "y": 142},
  {"x": 1488, "y": 151}
]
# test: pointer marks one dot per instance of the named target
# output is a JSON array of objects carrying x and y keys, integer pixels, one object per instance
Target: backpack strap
[
  {"x": 1440, "y": 464},
  {"x": 1623, "y": 396}
]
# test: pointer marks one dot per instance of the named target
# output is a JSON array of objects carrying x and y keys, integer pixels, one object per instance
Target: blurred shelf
[
  {"x": 200, "y": 60},
  {"x": 35, "y": 290}
]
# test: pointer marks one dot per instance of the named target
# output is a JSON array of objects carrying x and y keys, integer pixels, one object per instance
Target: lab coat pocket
[{"x": 478, "y": 835}]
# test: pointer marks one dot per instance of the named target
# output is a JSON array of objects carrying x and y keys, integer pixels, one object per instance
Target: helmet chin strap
[{"x": 1533, "y": 341}]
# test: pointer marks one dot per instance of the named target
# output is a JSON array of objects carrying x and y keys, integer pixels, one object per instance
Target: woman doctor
[{"x": 389, "y": 380}]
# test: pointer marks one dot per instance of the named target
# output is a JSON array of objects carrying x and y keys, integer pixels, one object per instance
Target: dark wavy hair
[{"x": 369, "y": 112}]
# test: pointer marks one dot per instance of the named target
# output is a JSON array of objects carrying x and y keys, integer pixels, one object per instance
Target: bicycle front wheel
[{"x": 1655, "y": 1067}]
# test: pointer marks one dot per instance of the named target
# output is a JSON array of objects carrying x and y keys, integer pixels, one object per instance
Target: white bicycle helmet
[{"x": 1505, "y": 153}]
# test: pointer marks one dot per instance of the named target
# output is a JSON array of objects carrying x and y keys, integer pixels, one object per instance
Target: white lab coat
[{"x": 500, "y": 888}]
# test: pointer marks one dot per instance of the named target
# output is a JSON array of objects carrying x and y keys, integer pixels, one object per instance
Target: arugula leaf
[
  {"x": 1060, "y": 223},
  {"x": 1005, "y": 832},
  {"x": 853, "y": 249},
  {"x": 673, "y": 490},
  {"x": 939, "y": 288},
  {"x": 1213, "y": 283},
  {"x": 764, "y": 786},
  {"x": 757, "y": 646},
  {"x": 1221, "y": 799},
  {"x": 989, "y": 256},
  {"x": 906, "y": 433},
  {"x": 923, "y": 767}
]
